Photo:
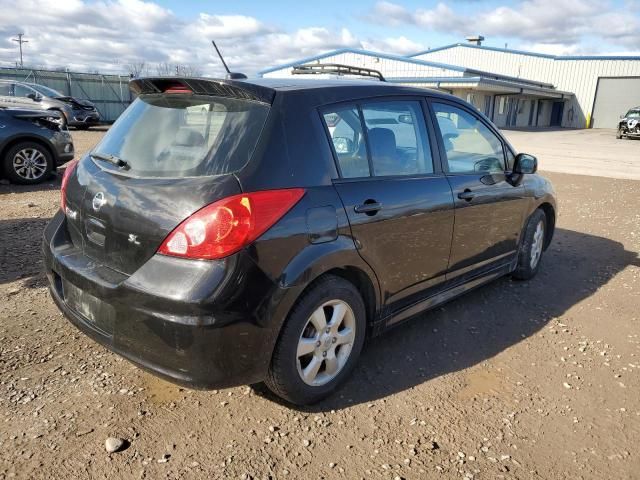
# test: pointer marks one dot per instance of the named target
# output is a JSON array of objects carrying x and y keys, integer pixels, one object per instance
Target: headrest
[
  {"x": 187, "y": 137},
  {"x": 383, "y": 142}
]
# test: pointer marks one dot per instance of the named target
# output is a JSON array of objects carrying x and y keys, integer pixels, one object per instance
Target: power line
[{"x": 20, "y": 41}]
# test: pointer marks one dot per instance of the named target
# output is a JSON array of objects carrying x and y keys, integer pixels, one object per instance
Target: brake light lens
[
  {"x": 178, "y": 90},
  {"x": 71, "y": 166},
  {"x": 228, "y": 225}
]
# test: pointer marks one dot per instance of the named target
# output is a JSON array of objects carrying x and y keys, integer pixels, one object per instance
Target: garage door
[{"x": 614, "y": 97}]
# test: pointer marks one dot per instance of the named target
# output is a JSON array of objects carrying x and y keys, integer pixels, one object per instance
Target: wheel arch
[
  {"x": 550, "y": 213},
  {"x": 359, "y": 279},
  {"x": 339, "y": 258}
]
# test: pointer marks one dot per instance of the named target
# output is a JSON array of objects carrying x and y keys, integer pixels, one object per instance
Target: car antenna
[{"x": 230, "y": 75}]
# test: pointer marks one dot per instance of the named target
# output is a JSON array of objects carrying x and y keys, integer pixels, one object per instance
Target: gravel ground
[
  {"x": 585, "y": 152},
  {"x": 532, "y": 380}
]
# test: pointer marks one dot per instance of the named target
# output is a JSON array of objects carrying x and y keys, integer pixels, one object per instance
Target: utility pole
[{"x": 20, "y": 41}]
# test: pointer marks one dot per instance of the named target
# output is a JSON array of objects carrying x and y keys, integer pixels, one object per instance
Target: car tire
[
  {"x": 27, "y": 163},
  {"x": 619, "y": 134},
  {"x": 303, "y": 348},
  {"x": 532, "y": 247}
]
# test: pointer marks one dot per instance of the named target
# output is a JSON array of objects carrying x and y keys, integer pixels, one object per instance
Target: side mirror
[
  {"x": 343, "y": 145},
  {"x": 33, "y": 97},
  {"x": 405, "y": 118},
  {"x": 525, "y": 164}
]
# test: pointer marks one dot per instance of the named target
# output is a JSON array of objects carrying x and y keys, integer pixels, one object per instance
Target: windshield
[
  {"x": 46, "y": 91},
  {"x": 633, "y": 114},
  {"x": 177, "y": 135}
]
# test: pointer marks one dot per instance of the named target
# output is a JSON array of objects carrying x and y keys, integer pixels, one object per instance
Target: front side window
[
  {"x": 470, "y": 146},
  {"x": 47, "y": 92},
  {"x": 398, "y": 142}
]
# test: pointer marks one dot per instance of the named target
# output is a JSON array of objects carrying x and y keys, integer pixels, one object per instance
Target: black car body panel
[
  {"x": 18, "y": 125},
  {"x": 210, "y": 323},
  {"x": 148, "y": 209}
]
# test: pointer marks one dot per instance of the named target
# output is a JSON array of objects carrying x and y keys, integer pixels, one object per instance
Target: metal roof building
[{"x": 513, "y": 88}]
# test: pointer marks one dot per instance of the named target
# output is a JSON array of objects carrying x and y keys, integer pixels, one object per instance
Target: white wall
[{"x": 577, "y": 76}]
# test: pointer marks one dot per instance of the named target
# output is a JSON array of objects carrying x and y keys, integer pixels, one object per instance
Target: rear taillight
[
  {"x": 230, "y": 224},
  {"x": 71, "y": 166}
]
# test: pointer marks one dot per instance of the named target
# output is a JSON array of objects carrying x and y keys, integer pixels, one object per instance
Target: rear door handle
[
  {"x": 467, "y": 195},
  {"x": 369, "y": 207}
]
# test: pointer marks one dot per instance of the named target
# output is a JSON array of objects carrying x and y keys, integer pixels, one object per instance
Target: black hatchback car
[{"x": 232, "y": 232}]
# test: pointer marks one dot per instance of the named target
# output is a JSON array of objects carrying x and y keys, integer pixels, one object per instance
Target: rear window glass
[{"x": 181, "y": 136}]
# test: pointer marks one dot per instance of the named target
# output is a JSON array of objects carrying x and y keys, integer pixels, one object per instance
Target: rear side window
[
  {"x": 380, "y": 139},
  {"x": 398, "y": 142},
  {"x": 178, "y": 136},
  {"x": 6, "y": 89}
]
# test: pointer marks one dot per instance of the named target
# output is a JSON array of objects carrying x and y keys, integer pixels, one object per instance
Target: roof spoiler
[
  {"x": 203, "y": 86},
  {"x": 337, "y": 68}
]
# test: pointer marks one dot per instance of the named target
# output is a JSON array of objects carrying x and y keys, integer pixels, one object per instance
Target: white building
[{"x": 513, "y": 88}]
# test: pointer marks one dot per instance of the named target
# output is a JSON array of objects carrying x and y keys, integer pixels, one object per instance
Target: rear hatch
[{"x": 170, "y": 153}]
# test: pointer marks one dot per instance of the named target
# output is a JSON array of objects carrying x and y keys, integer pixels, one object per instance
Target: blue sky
[
  {"x": 112, "y": 35},
  {"x": 357, "y": 16}
]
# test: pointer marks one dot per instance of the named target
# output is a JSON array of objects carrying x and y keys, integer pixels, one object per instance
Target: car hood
[
  {"x": 31, "y": 113},
  {"x": 75, "y": 101}
]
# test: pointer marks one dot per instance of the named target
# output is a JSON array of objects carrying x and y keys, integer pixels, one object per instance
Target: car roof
[{"x": 265, "y": 89}]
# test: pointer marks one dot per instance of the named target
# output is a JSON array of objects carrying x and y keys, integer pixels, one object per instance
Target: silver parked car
[{"x": 81, "y": 114}]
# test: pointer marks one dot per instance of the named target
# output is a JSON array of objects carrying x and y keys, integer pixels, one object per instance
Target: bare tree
[
  {"x": 189, "y": 70},
  {"x": 137, "y": 68},
  {"x": 165, "y": 69}
]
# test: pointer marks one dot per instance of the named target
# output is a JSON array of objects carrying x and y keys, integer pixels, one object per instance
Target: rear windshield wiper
[{"x": 107, "y": 157}]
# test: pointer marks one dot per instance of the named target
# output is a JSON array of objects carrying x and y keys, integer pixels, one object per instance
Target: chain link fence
[{"x": 109, "y": 93}]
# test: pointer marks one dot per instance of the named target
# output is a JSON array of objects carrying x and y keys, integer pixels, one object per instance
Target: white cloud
[
  {"x": 397, "y": 45},
  {"x": 561, "y": 24},
  {"x": 107, "y": 35}
]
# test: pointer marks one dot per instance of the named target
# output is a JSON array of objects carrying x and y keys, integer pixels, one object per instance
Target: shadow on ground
[
  {"x": 454, "y": 337},
  {"x": 51, "y": 183},
  {"x": 20, "y": 251},
  {"x": 481, "y": 324}
]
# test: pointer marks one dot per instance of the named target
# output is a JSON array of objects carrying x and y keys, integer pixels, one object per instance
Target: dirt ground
[{"x": 532, "y": 380}]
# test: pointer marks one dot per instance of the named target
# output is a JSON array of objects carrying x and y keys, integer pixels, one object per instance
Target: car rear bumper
[{"x": 192, "y": 323}]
